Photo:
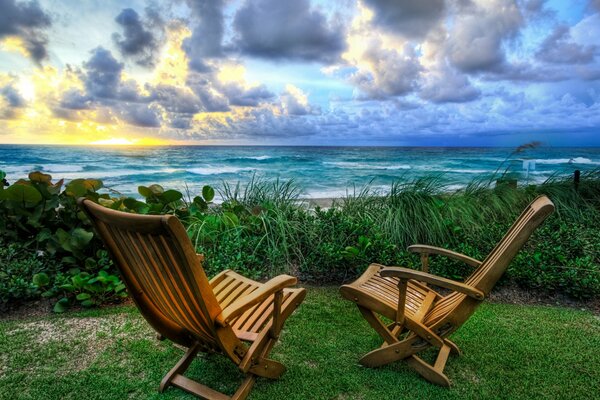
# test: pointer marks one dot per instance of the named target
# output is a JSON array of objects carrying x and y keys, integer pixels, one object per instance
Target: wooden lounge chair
[
  {"x": 229, "y": 314},
  {"x": 420, "y": 318}
]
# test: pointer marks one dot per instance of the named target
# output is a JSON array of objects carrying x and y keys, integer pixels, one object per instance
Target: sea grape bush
[
  {"x": 41, "y": 218},
  {"x": 48, "y": 249}
]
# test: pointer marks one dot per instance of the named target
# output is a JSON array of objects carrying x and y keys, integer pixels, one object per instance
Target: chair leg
[
  {"x": 453, "y": 347},
  {"x": 176, "y": 378},
  {"x": 434, "y": 374},
  {"x": 180, "y": 367},
  {"x": 245, "y": 388},
  {"x": 379, "y": 327},
  {"x": 390, "y": 353}
]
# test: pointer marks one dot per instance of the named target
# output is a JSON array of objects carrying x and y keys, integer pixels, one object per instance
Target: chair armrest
[
  {"x": 424, "y": 249},
  {"x": 405, "y": 274},
  {"x": 269, "y": 288}
]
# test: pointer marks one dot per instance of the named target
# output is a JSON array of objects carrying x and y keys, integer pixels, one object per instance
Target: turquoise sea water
[{"x": 319, "y": 171}]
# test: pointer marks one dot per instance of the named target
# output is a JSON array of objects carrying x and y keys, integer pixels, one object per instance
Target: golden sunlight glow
[
  {"x": 26, "y": 88},
  {"x": 233, "y": 73},
  {"x": 114, "y": 142},
  {"x": 129, "y": 142},
  {"x": 14, "y": 44},
  {"x": 172, "y": 68}
]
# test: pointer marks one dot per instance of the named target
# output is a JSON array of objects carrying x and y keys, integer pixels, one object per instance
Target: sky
[{"x": 302, "y": 72}]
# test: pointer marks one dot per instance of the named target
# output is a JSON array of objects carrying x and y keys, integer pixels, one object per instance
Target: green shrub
[
  {"x": 17, "y": 272},
  {"x": 263, "y": 229}
]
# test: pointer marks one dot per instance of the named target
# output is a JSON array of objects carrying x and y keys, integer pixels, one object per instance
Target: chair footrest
[{"x": 197, "y": 389}]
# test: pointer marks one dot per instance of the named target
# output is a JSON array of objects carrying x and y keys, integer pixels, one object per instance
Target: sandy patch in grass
[{"x": 86, "y": 338}]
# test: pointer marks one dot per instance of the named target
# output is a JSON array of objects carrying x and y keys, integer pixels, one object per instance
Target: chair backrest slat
[
  {"x": 495, "y": 264},
  {"x": 158, "y": 262}
]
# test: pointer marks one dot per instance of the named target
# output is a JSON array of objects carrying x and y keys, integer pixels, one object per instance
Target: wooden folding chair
[
  {"x": 419, "y": 317},
  {"x": 229, "y": 314}
]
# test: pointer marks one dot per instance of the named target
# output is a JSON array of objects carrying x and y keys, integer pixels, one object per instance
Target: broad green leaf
[
  {"x": 81, "y": 187},
  {"x": 208, "y": 193},
  {"x": 156, "y": 189},
  {"x": 88, "y": 303},
  {"x": 230, "y": 219},
  {"x": 81, "y": 237},
  {"x": 170, "y": 196},
  {"x": 41, "y": 279},
  {"x": 21, "y": 193},
  {"x": 61, "y": 306},
  {"x": 76, "y": 188},
  {"x": 144, "y": 191},
  {"x": 83, "y": 296}
]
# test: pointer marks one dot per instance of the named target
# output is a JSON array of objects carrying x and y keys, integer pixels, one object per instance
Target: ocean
[{"x": 321, "y": 172}]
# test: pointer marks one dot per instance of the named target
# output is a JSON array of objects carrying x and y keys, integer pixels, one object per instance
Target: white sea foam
[
  {"x": 259, "y": 158},
  {"x": 57, "y": 168},
  {"x": 218, "y": 170},
  {"x": 324, "y": 194},
  {"x": 575, "y": 160},
  {"x": 467, "y": 171},
  {"x": 357, "y": 165}
]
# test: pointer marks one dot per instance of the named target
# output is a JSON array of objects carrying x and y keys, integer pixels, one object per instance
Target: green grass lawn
[{"x": 510, "y": 351}]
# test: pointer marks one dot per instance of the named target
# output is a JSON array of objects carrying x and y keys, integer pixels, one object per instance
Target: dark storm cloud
[
  {"x": 11, "y": 100},
  {"x": 176, "y": 100},
  {"x": 74, "y": 99},
  {"x": 240, "y": 96},
  {"x": 594, "y": 5},
  {"x": 180, "y": 122},
  {"x": 275, "y": 29},
  {"x": 476, "y": 40},
  {"x": 558, "y": 48},
  {"x": 12, "y": 96},
  {"x": 137, "y": 41},
  {"x": 411, "y": 18},
  {"x": 449, "y": 87},
  {"x": 27, "y": 21},
  {"x": 144, "y": 115},
  {"x": 207, "y": 34},
  {"x": 102, "y": 74},
  {"x": 393, "y": 73}
]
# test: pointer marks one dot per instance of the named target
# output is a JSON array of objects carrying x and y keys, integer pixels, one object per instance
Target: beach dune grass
[{"x": 510, "y": 351}]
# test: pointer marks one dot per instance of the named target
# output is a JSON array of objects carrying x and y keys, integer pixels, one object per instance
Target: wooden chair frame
[
  {"x": 420, "y": 317},
  {"x": 230, "y": 314}
]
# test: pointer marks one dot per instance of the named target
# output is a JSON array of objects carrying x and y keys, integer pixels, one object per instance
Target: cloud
[
  {"x": 207, "y": 35},
  {"x": 74, "y": 99},
  {"x": 10, "y": 99},
  {"x": 594, "y": 5},
  {"x": 102, "y": 78},
  {"x": 103, "y": 74},
  {"x": 144, "y": 115},
  {"x": 413, "y": 19},
  {"x": 446, "y": 85},
  {"x": 12, "y": 96},
  {"x": 385, "y": 73},
  {"x": 558, "y": 48},
  {"x": 475, "y": 42},
  {"x": 175, "y": 99},
  {"x": 287, "y": 30},
  {"x": 27, "y": 21},
  {"x": 295, "y": 102},
  {"x": 238, "y": 95},
  {"x": 137, "y": 41}
]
